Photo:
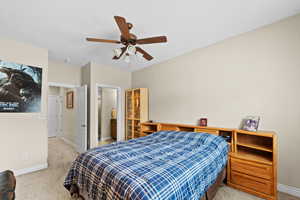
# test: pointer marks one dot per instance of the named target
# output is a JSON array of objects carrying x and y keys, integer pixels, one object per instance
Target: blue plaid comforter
[{"x": 164, "y": 165}]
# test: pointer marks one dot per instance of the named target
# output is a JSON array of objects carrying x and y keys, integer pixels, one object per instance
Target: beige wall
[
  {"x": 109, "y": 76},
  {"x": 23, "y": 142},
  {"x": 53, "y": 90},
  {"x": 256, "y": 73},
  {"x": 60, "y": 72}
]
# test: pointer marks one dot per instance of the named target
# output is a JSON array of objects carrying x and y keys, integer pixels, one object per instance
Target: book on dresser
[
  {"x": 136, "y": 111},
  {"x": 252, "y": 158}
]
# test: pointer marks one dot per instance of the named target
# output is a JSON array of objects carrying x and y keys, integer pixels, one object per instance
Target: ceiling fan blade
[
  {"x": 145, "y": 54},
  {"x": 121, "y": 22},
  {"x": 123, "y": 51},
  {"x": 102, "y": 40},
  {"x": 151, "y": 40}
]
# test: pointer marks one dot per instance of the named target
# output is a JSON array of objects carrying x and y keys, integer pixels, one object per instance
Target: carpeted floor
[{"x": 48, "y": 184}]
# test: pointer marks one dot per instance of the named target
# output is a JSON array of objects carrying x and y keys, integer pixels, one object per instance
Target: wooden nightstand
[{"x": 253, "y": 163}]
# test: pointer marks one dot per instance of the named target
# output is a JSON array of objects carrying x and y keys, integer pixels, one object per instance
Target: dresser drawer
[
  {"x": 251, "y": 168},
  {"x": 251, "y": 182},
  {"x": 203, "y": 130}
]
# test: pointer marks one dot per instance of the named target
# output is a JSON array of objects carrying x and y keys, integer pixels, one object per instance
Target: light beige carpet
[{"x": 48, "y": 184}]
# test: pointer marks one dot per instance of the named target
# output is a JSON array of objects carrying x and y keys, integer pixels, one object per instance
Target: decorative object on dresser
[
  {"x": 136, "y": 111},
  {"x": 250, "y": 123},
  {"x": 114, "y": 113},
  {"x": 203, "y": 122},
  {"x": 252, "y": 161},
  {"x": 7, "y": 185}
]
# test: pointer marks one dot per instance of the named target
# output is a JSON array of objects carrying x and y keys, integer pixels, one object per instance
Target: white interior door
[
  {"x": 53, "y": 116},
  {"x": 81, "y": 118}
]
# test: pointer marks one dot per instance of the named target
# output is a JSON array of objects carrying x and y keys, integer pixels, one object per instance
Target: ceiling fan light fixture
[
  {"x": 127, "y": 58},
  {"x": 117, "y": 52},
  {"x": 131, "y": 50}
]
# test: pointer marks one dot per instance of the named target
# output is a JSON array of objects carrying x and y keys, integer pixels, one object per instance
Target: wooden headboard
[{"x": 148, "y": 128}]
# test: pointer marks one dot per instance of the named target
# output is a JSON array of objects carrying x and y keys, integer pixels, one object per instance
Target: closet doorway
[{"x": 108, "y": 113}]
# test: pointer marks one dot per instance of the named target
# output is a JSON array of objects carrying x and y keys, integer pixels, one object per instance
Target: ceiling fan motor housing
[{"x": 131, "y": 40}]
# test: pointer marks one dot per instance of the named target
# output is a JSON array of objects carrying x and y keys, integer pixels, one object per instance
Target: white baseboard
[
  {"x": 68, "y": 142},
  {"x": 289, "y": 190},
  {"x": 30, "y": 169}
]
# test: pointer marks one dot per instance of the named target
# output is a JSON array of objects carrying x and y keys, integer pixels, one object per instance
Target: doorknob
[{"x": 83, "y": 125}]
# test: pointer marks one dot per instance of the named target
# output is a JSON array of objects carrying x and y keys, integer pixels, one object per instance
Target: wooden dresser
[{"x": 252, "y": 161}]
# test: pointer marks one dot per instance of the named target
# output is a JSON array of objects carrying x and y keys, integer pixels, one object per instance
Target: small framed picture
[
  {"x": 203, "y": 122},
  {"x": 70, "y": 100},
  {"x": 250, "y": 123}
]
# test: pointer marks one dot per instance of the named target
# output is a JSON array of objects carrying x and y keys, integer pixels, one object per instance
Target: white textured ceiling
[{"x": 62, "y": 25}]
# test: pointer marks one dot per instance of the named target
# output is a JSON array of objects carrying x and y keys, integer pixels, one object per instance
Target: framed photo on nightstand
[{"x": 250, "y": 123}]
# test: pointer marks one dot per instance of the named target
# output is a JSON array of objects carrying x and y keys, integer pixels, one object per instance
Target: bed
[{"x": 163, "y": 165}]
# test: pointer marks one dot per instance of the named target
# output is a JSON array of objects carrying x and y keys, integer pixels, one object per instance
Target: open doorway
[
  {"x": 67, "y": 115},
  {"x": 108, "y": 113},
  {"x": 61, "y": 117}
]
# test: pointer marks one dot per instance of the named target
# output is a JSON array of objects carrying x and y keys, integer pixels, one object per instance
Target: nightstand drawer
[
  {"x": 253, "y": 183},
  {"x": 251, "y": 168}
]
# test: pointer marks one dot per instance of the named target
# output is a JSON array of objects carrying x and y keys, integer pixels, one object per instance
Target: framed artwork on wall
[
  {"x": 70, "y": 99},
  {"x": 20, "y": 88}
]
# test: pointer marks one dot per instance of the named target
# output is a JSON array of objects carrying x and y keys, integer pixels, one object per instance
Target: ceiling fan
[{"x": 129, "y": 41}]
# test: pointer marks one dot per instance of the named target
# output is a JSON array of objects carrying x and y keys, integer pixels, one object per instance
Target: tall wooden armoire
[{"x": 136, "y": 111}]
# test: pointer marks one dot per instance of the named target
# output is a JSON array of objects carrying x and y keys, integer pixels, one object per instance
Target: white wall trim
[
  {"x": 30, "y": 169},
  {"x": 289, "y": 190},
  {"x": 69, "y": 142},
  {"x": 54, "y": 84}
]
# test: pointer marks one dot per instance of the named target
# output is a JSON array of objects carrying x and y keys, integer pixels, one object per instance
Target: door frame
[
  {"x": 55, "y": 84},
  {"x": 119, "y": 108}
]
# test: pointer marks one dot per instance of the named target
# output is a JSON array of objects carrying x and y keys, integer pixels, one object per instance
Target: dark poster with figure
[{"x": 20, "y": 87}]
